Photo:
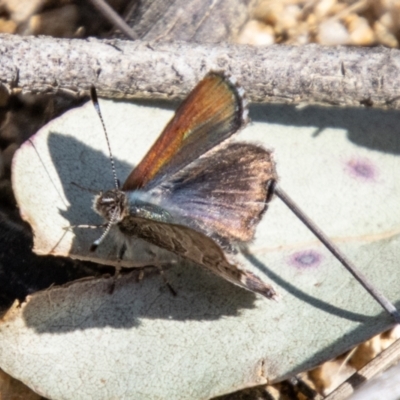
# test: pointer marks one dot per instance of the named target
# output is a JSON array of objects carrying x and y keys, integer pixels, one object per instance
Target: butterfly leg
[
  {"x": 118, "y": 267},
  {"x": 120, "y": 257},
  {"x": 169, "y": 286},
  {"x": 122, "y": 252},
  {"x": 113, "y": 281},
  {"x": 159, "y": 266}
]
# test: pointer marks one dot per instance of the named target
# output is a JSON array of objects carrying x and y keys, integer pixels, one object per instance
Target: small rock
[
  {"x": 21, "y": 10},
  {"x": 384, "y": 36},
  {"x": 269, "y": 12},
  {"x": 386, "y": 19},
  {"x": 324, "y": 8},
  {"x": 7, "y": 26},
  {"x": 312, "y": 20},
  {"x": 330, "y": 375},
  {"x": 300, "y": 35},
  {"x": 396, "y": 16},
  {"x": 332, "y": 32},
  {"x": 290, "y": 17},
  {"x": 61, "y": 22},
  {"x": 361, "y": 34},
  {"x": 338, "y": 8},
  {"x": 257, "y": 33}
]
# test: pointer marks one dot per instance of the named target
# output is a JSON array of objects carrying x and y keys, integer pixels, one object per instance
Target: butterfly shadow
[{"x": 128, "y": 301}]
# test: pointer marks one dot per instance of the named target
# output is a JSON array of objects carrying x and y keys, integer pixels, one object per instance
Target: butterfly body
[{"x": 195, "y": 193}]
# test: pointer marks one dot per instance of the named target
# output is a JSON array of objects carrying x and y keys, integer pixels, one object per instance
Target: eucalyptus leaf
[{"x": 132, "y": 339}]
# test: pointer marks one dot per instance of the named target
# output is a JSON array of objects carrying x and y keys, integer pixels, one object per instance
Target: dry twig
[{"x": 282, "y": 74}]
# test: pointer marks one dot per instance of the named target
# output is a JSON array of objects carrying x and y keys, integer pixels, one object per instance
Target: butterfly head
[{"x": 111, "y": 205}]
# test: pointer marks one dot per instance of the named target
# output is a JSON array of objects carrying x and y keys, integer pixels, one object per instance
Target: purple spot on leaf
[
  {"x": 306, "y": 259},
  {"x": 361, "y": 169}
]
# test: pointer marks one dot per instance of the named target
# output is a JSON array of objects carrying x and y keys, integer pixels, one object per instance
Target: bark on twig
[
  {"x": 380, "y": 363},
  {"x": 282, "y": 74}
]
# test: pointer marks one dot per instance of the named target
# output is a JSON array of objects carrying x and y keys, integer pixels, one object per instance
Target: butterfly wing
[
  {"x": 213, "y": 199},
  {"x": 211, "y": 113},
  {"x": 194, "y": 246},
  {"x": 223, "y": 194}
]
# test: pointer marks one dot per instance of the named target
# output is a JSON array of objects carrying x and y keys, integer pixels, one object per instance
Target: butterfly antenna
[
  {"x": 378, "y": 296},
  {"x": 95, "y": 101}
]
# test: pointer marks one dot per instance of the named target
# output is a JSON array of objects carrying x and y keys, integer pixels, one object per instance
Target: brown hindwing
[{"x": 194, "y": 246}]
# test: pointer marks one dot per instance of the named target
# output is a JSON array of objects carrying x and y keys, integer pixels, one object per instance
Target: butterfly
[{"x": 196, "y": 193}]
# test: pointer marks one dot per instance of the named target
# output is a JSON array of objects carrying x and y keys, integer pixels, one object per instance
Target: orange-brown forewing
[{"x": 211, "y": 113}]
